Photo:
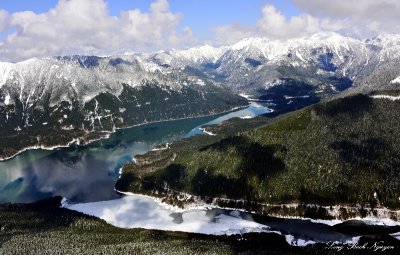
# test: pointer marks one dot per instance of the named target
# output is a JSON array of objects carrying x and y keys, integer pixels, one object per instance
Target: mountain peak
[
  {"x": 257, "y": 42},
  {"x": 204, "y": 52}
]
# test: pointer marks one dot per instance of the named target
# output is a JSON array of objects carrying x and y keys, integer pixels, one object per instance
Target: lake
[{"x": 88, "y": 173}]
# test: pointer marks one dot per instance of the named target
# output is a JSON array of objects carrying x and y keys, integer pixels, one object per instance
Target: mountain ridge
[
  {"x": 327, "y": 54},
  {"x": 76, "y": 94}
]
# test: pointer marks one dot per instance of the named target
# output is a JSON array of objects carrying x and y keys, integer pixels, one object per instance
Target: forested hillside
[
  {"x": 343, "y": 151},
  {"x": 46, "y": 125}
]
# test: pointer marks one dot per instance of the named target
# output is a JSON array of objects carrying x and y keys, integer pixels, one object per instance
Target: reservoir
[{"x": 87, "y": 173}]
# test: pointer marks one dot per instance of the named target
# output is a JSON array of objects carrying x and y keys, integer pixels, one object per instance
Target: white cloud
[
  {"x": 273, "y": 24},
  {"x": 231, "y": 33},
  {"x": 365, "y": 9},
  {"x": 363, "y": 18},
  {"x": 85, "y": 27},
  {"x": 3, "y": 20}
]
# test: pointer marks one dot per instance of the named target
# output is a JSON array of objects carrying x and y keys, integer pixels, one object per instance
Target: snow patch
[
  {"x": 378, "y": 221},
  {"x": 397, "y": 80},
  {"x": 245, "y": 95},
  {"x": 297, "y": 242},
  {"x": 393, "y": 98},
  {"x": 327, "y": 222},
  {"x": 293, "y": 97},
  {"x": 206, "y": 132},
  {"x": 201, "y": 82},
  {"x": 64, "y": 202},
  {"x": 7, "y": 100},
  {"x": 5, "y": 72},
  {"x": 396, "y": 235},
  {"x": 246, "y": 117},
  {"x": 161, "y": 148},
  {"x": 70, "y": 127}
]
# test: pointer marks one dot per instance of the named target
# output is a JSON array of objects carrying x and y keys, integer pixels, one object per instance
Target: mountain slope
[
  {"x": 327, "y": 63},
  {"x": 50, "y": 102},
  {"x": 340, "y": 152}
]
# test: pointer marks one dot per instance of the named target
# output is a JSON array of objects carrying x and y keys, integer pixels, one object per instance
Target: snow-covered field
[
  {"x": 139, "y": 211},
  {"x": 143, "y": 212}
]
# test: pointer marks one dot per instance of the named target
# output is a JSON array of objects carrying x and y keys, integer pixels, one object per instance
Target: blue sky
[{"x": 200, "y": 15}]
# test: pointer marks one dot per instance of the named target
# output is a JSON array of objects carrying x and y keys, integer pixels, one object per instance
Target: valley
[
  {"x": 51, "y": 102},
  {"x": 292, "y": 141}
]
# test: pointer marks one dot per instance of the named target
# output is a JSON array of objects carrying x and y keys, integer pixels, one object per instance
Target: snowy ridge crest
[{"x": 256, "y": 61}]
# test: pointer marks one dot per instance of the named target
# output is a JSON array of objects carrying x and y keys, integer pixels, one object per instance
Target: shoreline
[
  {"x": 41, "y": 147},
  {"x": 201, "y": 205},
  {"x": 294, "y": 210},
  {"x": 108, "y": 133},
  {"x": 61, "y": 146}
]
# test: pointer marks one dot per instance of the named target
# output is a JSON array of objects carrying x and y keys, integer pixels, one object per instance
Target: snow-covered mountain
[
  {"x": 83, "y": 77},
  {"x": 51, "y": 101},
  {"x": 86, "y": 94},
  {"x": 251, "y": 65},
  {"x": 327, "y": 61}
]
